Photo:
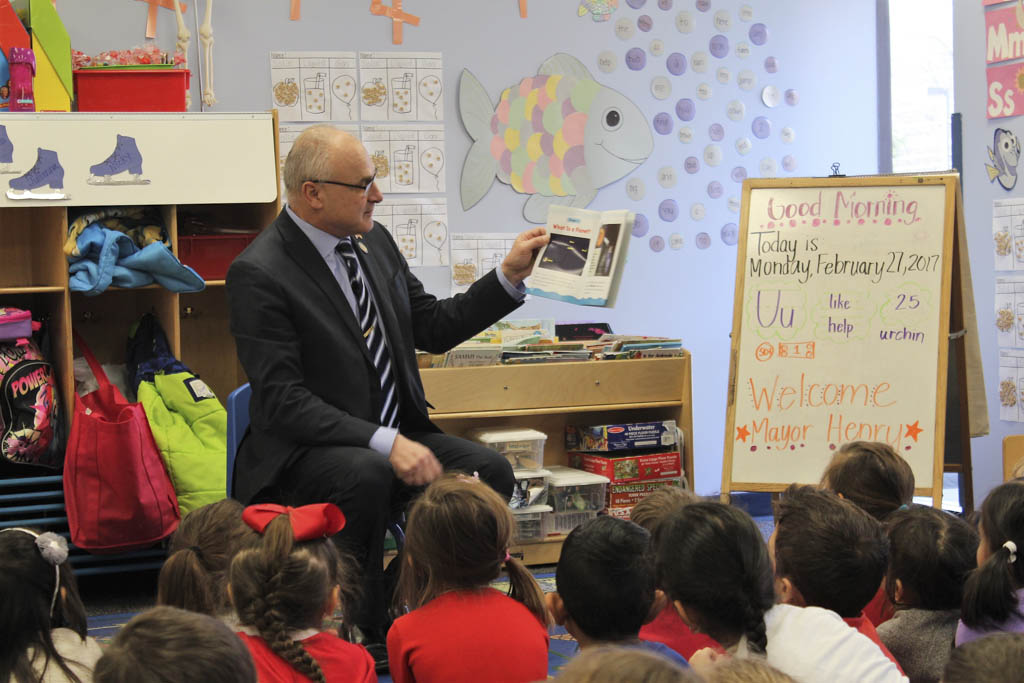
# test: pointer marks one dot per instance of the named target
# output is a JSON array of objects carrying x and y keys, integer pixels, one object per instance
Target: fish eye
[{"x": 612, "y": 119}]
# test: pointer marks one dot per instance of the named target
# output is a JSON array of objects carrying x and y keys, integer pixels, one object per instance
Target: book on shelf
[{"x": 583, "y": 262}]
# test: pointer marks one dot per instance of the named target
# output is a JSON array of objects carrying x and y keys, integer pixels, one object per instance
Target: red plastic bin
[
  {"x": 210, "y": 255},
  {"x": 112, "y": 89}
]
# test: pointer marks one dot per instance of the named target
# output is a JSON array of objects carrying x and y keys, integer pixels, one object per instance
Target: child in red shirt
[
  {"x": 667, "y": 626},
  {"x": 460, "y": 629},
  {"x": 285, "y": 587}
]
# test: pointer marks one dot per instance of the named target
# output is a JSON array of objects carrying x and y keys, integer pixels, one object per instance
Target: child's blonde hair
[
  {"x": 623, "y": 665},
  {"x": 752, "y": 670},
  {"x": 194, "y": 577},
  {"x": 283, "y": 586},
  {"x": 457, "y": 538},
  {"x": 872, "y": 476}
]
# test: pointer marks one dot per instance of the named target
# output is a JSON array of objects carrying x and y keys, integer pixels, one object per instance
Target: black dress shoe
[{"x": 373, "y": 639}]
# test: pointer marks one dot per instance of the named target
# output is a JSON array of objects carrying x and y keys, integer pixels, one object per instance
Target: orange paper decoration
[
  {"x": 295, "y": 10},
  {"x": 151, "y": 17},
  {"x": 522, "y": 8},
  {"x": 378, "y": 8}
]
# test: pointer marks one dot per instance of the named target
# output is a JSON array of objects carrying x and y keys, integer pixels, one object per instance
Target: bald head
[{"x": 314, "y": 153}]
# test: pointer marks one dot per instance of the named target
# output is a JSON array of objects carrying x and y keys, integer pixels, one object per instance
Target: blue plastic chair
[{"x": 238, "y": 420}]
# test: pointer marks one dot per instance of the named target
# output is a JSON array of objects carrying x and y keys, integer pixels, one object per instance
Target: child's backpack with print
[{"x": 30, "y": 426}]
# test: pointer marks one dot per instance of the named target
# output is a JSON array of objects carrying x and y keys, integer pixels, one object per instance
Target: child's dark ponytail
[
  {"x": 185, "y": 583},
  {"x": 990, "y": 592},
  {"x": 712, "y": 558}
]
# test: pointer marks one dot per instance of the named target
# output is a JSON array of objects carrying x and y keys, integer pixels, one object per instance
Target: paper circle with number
[
  {"x": 738, "y": 174},
  {"x": 758, "y": 34},
  {"x": 792, "y": 97},
  {"x": 691, "y": 165},
  {"x": 697, "y": 211},
  {"x": 640, "y": 225},
  {"x": 657, "y": 243},
  {"x": 703, "y": 5},
  {"x": 742, "y": 50},
  {"x": 768, "y": 168},
  {"x": 718, "y": 46},
  {"x": 736, "y": 110},
  {"x": 699, "y": 62},
  {"x": 761, "y": 127},
  {"x": 787, "y": 134},
  {"x": 702, "y": 240},
  {"x": 607, "y": 62},
  {"x": 730, "y": 234},
  {"x": 665, "y": 5},
  {"x": 771, "y": 64},
  {"x": 657, "y": 47},
  {"x": 676, "y": 63},
  {"x": 716, "y": 132},
  {"x": 746, "y": 80},
  {"x": 624, "y": 29},
  {"x": 668, "y": 210},
  {"x": 675, "y": 241},
  {"x": 770, "y": 96},
  {"x": 636, "y": 59},
  {"x": 667, "y": 177},
  {"x": 746, "y": 13},
  {"x": 723, "y": 75},
  {"x": 636, "y": 4},
  {"x": 644, "y": 23},
  {"x": 789, "y": 163},
  {"x": 661, "y": 87},
  {"x": 723, "y": 20},
  {"x": 712, "y": 155},
  {"x": 662, "y": 123},
  {"x": 734, "y": 204},
  {"x": 635, "y": 189},
  {"x": 715, "y": 189},
  {"x": 684, "y": 22},
  {"x": 704, "y": 91},
  {"x": 743, "y": 145},
  {"x": 685, "y": 134},
  {"x": 686, "y": 109}
]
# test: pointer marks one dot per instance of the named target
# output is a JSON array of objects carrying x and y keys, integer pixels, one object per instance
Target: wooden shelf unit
[
  {"x": 547, "y": 397},
  {"x": 35, "y": 277}
]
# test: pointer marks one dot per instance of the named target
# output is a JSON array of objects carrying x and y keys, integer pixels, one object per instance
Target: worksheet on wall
[
  {"x": 401, "y": 86},
  {"x": 1011, "y": 385},
  {"x": 314, "y": 86},
  {"x": 409, "y": 158},
  {"x": 419, "y": 226},
  {"x": 476, "y": 253}
]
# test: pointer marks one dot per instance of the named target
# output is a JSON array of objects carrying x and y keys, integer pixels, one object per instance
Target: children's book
[{"x": 583, "y": 262}]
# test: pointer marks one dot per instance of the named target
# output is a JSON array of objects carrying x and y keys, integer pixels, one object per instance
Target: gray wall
[{"x": 825, "y": 51}]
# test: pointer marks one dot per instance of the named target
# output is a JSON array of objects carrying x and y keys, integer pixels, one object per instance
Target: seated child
[
  {"x": 734, "y": 670},
  {"x": 667, "y": 627},
  {"x": 713, "y": 565},
  {"x": 829, "y": 553},
  {"x": 994, "y": 592},
  {"x": 872, "y": 476},
  {"x": 460, "y": 629},
  {"x": 284, "y": 588},
  {"x": 42, "y": 629},
  {"x": 605, "y": 586},
  {"x": 608, "y": 664},
  {"x": 995, "y": 658},
  {"x": 931, "y": 553},
  {"x": 171, "y": 645},
  {"x": 195, "y": 575}
]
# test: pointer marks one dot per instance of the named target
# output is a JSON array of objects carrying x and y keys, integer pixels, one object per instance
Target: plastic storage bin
[
  {"x": 524, "y": 448},
  {"x": 210, "y": 255},
  {"x": 531, "y": 488},
  {"x": 532, "y": 523},
  {"x": 561, "y": 523},
  {"x": 576, "y": 491},
  {"x": 131, "y": 89}
]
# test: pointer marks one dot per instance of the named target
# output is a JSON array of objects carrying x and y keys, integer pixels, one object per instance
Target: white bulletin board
[{"x": 841, "y": 325}]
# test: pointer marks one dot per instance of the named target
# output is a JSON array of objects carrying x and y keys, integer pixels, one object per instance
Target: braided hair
[
  {"x": 711, "y": 558},
  {"x": 283, "y": 586}
]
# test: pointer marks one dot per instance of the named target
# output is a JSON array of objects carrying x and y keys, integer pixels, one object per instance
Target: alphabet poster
[{"x": 840, "y": 325}]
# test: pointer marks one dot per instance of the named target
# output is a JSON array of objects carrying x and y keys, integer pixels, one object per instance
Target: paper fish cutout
[
  {"x": 600, "y": 9},
  {"x": 1004, "y": 155},
  {"x": 557, "y": 136}
]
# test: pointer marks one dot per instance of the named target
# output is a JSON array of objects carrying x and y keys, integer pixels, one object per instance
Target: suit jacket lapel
[{"x": 302, "y": 251}]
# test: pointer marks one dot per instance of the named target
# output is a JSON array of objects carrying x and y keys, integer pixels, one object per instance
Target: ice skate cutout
[
  {"x": 47, "y": 171},
  {"x": 6, "y": 152},
  {"x": 125, "y": 157}
]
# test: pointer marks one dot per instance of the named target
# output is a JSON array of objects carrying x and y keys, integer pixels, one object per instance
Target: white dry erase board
[{"x": 840, "y": 326}]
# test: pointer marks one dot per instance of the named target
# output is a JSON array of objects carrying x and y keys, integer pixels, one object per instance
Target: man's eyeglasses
[{"x": 364, "y": 188}]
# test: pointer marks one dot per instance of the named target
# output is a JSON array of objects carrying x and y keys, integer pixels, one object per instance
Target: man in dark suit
[{"x": 338, "y": 412}]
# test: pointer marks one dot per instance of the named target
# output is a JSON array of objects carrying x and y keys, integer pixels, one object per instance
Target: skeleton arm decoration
[
  {"x": 206, "y": 40},
  {"x": 182, "y": 45}
]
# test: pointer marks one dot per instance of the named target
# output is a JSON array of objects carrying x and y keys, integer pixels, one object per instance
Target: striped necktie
[{"x": 369, "y": 323}]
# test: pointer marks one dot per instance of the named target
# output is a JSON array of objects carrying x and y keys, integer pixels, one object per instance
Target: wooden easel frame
[{"x": 951, "y": 321}]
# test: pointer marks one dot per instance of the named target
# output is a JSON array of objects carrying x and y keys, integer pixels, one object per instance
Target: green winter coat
[{"x": 189, "y": 425}]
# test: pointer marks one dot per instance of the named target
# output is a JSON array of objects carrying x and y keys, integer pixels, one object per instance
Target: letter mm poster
[
  {"x": 840, "y": 326},
  {"x": 1004, "y": 50}
]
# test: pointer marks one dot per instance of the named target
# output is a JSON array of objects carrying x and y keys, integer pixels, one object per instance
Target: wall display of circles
[{"x": 714, "y": 93}]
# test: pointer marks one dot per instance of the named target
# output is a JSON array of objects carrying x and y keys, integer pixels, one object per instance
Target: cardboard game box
[
  {"x": 629, "y": 494},
  {"x": 638, "y": 466},
  {"x": 620, "y": 437}
]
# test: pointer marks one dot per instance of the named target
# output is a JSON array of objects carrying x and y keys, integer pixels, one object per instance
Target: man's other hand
[
  {"x": 518, "y": 264},
  {"x": 413, "y": 463}
]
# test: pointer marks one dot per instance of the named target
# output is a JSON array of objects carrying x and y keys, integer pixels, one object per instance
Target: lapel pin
[{"x": 363, "y": 247}]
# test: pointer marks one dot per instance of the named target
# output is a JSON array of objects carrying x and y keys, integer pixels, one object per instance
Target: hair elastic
[
  {"x": 54, "y": 550},
  {"x": 508, "y": 557},
  {"x": 1012, "y": 548},
  {"x": 903, "y": 507}
]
